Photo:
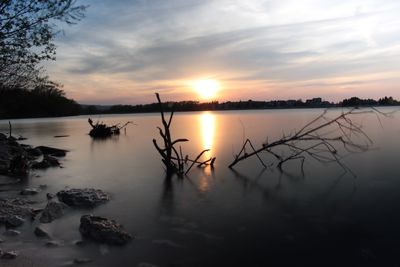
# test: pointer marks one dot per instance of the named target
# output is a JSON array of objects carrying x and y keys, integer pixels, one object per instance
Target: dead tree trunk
[{"x": 173, "y": 160}]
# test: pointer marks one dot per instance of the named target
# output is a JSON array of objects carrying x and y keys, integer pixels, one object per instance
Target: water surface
[{"x": 218, "y": 217}]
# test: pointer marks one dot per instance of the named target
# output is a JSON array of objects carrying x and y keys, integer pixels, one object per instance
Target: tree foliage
[{"x": 27, "y": 32}]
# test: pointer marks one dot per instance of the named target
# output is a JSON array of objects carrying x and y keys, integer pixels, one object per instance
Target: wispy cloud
[{"x": 125, "y": 50}]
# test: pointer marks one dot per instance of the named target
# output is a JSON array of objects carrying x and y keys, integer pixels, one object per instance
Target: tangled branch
[
  {"x": 321, "y": 139},
  {"x": 102, "y": 130}
]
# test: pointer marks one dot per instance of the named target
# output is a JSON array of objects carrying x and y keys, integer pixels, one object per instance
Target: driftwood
[
  {"x": 323, "y": 139},
  {"x": 101, "y": 130},
  {"x": 173, "y": 160}
]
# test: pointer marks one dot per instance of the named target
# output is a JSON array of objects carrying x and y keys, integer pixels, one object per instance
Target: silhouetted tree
[
  {"x": 46, "y": 99},
  {"x": 387, "y": 101},
  {"x": 27, "y": 31},
  {"x": 356, "y": 102}
]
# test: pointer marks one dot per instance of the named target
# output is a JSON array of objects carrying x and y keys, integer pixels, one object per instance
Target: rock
[
  {"x": 40, "y": 232},
  {"x": 5, "y": 156},
  {"x": 54, "y": 244},
  {"x": 59, "y": 154},
  {"x": 25, "y": 146},
  {"x": 87, "y": 197},
  {"x": 52, "y": 161},
  {"x": 14, "y": 221},
  {"x": 4, "y": 166},
  {"x": 82, "y": 260},
  {"x": 17, "y": 158},
  {"x": 12, "y": 157},
  {"x": 11, "y": 233},
  {"x": 1, "y": 240},
  {"x": 47, "y": 162},
  {"x": 52, "y": 211},
  {"x": 46, "y": 150},
  {"x": 19, "y": 165},
  {"x": 50, "y": 196},
  {"x": 33, "y": 152},
  {"x": 103, "y": 230},
  {"x": 15, "y": 147},
  {"x": 9, "y": 255},
  {"x": 30, "y": 191},
  {"x": 11, "y": 138},
  {"x": 36, "y": 211},
  {"x": 14, "y": 207},
  {"x": 20, "y": 201},
  {"x": 39, "y": 165}
]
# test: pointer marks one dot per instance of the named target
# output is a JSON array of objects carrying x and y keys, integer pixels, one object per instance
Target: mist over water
[{"x": 248, "y": 216}]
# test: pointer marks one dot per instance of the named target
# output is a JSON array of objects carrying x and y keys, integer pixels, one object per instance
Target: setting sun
[{"x": 206, "y": 89}]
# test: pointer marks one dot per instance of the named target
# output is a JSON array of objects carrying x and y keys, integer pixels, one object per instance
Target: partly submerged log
[{"x": 102, "y": 130}]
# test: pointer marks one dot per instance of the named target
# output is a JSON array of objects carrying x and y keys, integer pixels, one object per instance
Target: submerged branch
[
  {"x": 320, "y": 139},
  {"x": 102, "y": 130}
]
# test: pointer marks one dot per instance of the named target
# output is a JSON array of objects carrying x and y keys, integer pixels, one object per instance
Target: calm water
[{"x": 220, "y": 217}]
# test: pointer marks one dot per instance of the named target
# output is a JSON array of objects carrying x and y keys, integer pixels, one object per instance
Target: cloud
[{"x": 269, "y": 47}]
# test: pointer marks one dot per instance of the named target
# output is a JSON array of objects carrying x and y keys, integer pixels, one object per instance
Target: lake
[{"x": 249, "y": 216}]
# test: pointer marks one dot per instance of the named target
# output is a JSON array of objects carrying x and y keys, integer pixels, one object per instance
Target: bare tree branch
[{"x": 319, "y": 139}]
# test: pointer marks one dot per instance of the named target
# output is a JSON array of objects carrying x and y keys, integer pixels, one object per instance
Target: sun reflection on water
[{"x": 207, "y": 124}]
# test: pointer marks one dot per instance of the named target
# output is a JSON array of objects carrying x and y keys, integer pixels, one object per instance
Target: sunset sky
[{"x": 125, "y": 50}]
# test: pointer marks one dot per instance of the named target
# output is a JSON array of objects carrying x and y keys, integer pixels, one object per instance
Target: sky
[{"x": 124, "y": 51}]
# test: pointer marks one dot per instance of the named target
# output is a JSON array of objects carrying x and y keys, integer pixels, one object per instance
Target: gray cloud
[{"x": 282, "y": 41}]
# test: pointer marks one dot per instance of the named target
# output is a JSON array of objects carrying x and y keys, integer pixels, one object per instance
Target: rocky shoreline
[{"x": 16, "y": 160}]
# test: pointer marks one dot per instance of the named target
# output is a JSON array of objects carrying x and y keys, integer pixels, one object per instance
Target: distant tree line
[
  {"x": 237, "y": 105},
  {"x": 44, "y": 100},
  {"x": 355, "y": 102}
]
